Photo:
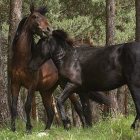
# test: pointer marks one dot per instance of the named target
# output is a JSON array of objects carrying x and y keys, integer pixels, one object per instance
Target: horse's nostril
[{"x": 48, "y": 29}]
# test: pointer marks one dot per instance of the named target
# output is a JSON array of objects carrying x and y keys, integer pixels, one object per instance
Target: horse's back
[
  {"x": 101, "y": 65},
  {"x": 110, "y": 67}
]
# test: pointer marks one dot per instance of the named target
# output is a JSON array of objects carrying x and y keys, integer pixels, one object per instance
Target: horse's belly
[
  {"x": 48, "y": 76},
  {"x": 47, "y": 81},
  {"x": 106, "y": 82}
]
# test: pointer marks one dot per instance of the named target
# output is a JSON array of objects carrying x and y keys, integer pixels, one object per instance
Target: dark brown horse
[{"x": 45, "y": 80}]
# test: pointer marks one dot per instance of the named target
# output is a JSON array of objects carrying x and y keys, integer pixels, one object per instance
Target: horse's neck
[
  {"x": 22, "y": 51},
  {"x": 58, "y": 56},
  {"x": 23, "y": 46}
]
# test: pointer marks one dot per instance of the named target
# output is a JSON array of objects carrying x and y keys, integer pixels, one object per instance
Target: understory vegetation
[{"x": 118, "y": 128}]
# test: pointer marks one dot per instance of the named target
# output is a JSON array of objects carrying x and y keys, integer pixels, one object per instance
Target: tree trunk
[
  {"x": 110, "y": 35},
  {"x": 126, "y": 101},
  {"x": 21, "y": 101},
  {"x": 137, "y": 6},
  {"x": 20, "y": 108},
  {"x": 110, "y": 22},
  {"x": 94, "y": 107},
  {"x": 121, "y": 99},
  {"x": 14, "y": 18},
  {"x": 118, "y": 96},
  {"x": 4, "y": 107},
  {"x": 75, "y": 117},
  {"x": 55, "y": 111}
]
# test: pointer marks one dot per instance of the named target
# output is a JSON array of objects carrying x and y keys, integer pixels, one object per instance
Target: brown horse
[{"x": 45, "y": 80}]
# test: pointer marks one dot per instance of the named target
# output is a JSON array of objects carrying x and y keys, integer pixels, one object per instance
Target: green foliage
[
  {"x": 75, "y": 27},
  {"x": 110, "y": 129},
  {"x": 86, "y": 19},
  {"x": 4, "y": 7},
  {"x": 125, "y": 19},
  {"x": 5, "y": 30}
]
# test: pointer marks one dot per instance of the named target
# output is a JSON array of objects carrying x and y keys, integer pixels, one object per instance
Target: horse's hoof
[
  {"x": 137, "y": 125},
  {"x": 90, "y": 125},
  {"x": 47, "y": 129},
  {"x": 28, "y": 132},
  {"x": 28, "y": 129},
  {"x": 83, "y": 126},
  {"x": 133, "y": 126},
  {"x": 68, "y": 126},
  {"x": 13, "y": 129}
]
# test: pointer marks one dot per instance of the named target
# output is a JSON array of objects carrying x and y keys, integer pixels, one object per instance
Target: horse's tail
[{"x": 100, "y": 98}]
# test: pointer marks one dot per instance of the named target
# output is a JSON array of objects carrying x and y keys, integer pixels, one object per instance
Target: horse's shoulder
[{"x": 71, "y": 70}]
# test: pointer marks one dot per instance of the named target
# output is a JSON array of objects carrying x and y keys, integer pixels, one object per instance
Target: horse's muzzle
[{"x": 47, "y": 32}]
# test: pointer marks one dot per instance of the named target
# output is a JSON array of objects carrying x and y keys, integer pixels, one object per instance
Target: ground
[{"x": 110, "y": 129}]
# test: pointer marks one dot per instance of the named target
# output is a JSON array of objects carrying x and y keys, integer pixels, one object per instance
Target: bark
[
  {"x": 94, "y": 107},
  {"x": 21, "y": 101},
  {"x": 113, "y": 95},
  {"x": 137, "y": 6},
  {"x": 75, "y": 117},
  {"x": 118, "y": 96},
  {"x": 4, "y": 107},
  {"x": 55, "y": 111},
  {"x": 110, "y": 22},
  {"x": 121, "y": 99},
  {"x": 110, "y": 35},
  {"x": 14, "y": 19},
  {"x": 20, "y": 108},
  {"x": 126, "y": 101}
]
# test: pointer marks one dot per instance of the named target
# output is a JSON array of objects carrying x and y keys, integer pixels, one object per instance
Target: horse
[
  {"x": 46, "y": 79},
  {"x": 90, "y": 68},
  {"x": 39, "y": 81}
]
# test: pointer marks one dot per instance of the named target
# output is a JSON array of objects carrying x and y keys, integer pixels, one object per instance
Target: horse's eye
[{"x": 34, "y": 16}]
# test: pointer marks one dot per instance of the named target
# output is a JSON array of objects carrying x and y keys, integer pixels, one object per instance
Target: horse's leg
[
  {"x": 78, "y": 107},
  {"x": 69, "y": 89},
  {"x": 86, "y": 110},
  {"x": 31, "y": 92},
  {"x": 15, "y": 92},
  {"x": 46, "y": 97},
  {"x": 135, "y": 92}
]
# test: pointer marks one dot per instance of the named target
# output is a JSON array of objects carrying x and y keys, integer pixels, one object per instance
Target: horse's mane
[
  {"x": 18, "y": 31},
  {"x": 64, "y": 37},
  {"x": 42, "y": 10},
  {"x": 70, "y": 44}
]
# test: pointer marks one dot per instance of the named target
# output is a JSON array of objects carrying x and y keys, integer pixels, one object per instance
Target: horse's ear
[
  {"x": 42, "y": 10},
  {"x": 32, "y": 7}
]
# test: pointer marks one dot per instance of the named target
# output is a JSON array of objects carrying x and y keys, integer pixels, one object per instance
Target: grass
[{"x": 110, "y": 129}]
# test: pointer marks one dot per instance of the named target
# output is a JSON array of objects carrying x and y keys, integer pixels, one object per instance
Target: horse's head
[
  {"x": 54, "y": 47},
  {"x": 37, "y": 23}
]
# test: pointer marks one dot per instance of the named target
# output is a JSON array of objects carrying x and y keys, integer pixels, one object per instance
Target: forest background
[{"x": 84, "y": 20}]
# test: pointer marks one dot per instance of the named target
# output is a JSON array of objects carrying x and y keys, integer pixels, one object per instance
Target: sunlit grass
[{"x": 110, "y": 129}]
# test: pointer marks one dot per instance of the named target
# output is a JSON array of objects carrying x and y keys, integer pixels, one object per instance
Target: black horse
[{"x": 89, "y": 68}]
